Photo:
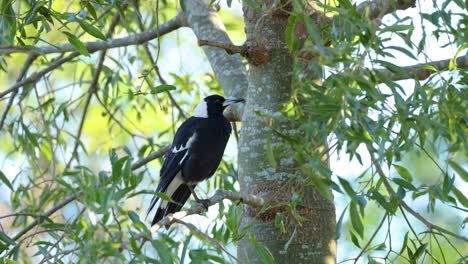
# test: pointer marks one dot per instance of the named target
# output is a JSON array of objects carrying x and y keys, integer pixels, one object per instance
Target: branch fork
[{"x": 256, "y": 56}]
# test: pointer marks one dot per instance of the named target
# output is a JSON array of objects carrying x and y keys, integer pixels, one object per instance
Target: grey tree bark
[{"x": 312, "y": 240}]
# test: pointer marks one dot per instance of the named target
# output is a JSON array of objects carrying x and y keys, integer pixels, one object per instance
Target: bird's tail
[{"x": 179, "y": 195}]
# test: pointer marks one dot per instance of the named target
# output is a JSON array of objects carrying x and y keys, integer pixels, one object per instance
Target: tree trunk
[{"x": 311, "y": 240}]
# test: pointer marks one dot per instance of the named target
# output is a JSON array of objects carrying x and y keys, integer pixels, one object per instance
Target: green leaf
[
  {"x": 460, "y": 196},
  {"x": 291, "y": 40},
  {"x": 347, "y": 187},
  {"x": 390, "y": 66},
  {"x": 5, "y": 180},
  {"x": 448, "y": 184},
  {"x": 7, "y": 23},
  {"x": 404, "y": 184},
  {"x": 253, "y": 4},
  {"x": 339, "y": 224},
  {"x": 262, "y": 251},
  {"x": 90, "y": 29},
  {"x": 459, "y": 170},
  {"x": 356, "y": 220},
  {"x": 134, "y": 217},
  {"x": 401, "y": 193},
  {"x": 404, "y": 51},
  {"x": 163, "y": 251},
  {"x": 313, "y": 31},
  {"x": 405, "y": 242},
  {"x": 117, "y": 169},
  {"x": 182, "y": 4},
  {"x": 201, "y": 256},
  {"x": 91, "y": 10},
  {"x": 279, "y": 223},
  {"x": 453, "y": 62},
  {"x": 429, "y": 67},
  {"x": 403, "y": 172},
  {"x": 419, "y": 252},
  {"x": 76, "y": 43},
  {"x": 396, "y": 28},
  {"x": 162, "y": 88},
  {"x": 354, "y": 239},
  {"x": 6, "y": 239}
]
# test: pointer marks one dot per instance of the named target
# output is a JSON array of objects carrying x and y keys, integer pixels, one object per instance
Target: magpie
[{"x": 195, "y": 154}]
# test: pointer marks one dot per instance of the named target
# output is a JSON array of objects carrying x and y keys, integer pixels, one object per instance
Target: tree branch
[
  {"x": 46, "y": 214},
  {"x": 37, "y": 75},
  {"x": 421, "y": 71},
  {"x": 94, "y": 46},
  {"x": 154, "y": 155},
  {"x": 228, "y": 69},
  {"x": 371, "y": 238},
  {"x": 376, "y": 9},
  {"x": 198, "y": 208},
  {"x": 255, "y": 55}
]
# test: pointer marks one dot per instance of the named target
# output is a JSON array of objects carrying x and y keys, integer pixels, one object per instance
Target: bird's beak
[{"x": 232, "y": 100}]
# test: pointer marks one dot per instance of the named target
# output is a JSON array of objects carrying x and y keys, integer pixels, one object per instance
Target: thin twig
[
  {"x": 193, "y": 228},
  {"x": 29, "y": 60},
  {"x": 155, "y": 62},
  {"x": 118, "y": 122},
  {"x": 48, "y": 133},
  {"x": 19, "y": 214},
  {"x": 80, "y": 129},
  {"x": 372, "y": 237},
  {"x": 429, "y": 224},
  {"x": 415, "y": 234}
]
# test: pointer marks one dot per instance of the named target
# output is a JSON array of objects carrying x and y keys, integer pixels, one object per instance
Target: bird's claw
[{"x": 205, "y": 202}]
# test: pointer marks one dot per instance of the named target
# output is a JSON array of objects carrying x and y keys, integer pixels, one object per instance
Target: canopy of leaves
[{"x": 74, "y": 122}]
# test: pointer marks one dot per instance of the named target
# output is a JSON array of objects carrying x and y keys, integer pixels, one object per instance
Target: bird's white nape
[{"x": 201, "y": 110}]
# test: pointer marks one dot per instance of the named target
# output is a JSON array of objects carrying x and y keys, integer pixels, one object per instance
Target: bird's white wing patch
[
  {"x": 187, "y": 145},
  {"x": 175, "y": 183},
  {"x": 183, "y": 158}
]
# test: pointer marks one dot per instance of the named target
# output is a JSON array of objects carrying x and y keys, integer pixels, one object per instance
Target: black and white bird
[{"x": 195, "y": 154}]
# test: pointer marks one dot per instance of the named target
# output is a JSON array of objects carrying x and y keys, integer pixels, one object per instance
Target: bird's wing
[{"x": 170, "y": 177}]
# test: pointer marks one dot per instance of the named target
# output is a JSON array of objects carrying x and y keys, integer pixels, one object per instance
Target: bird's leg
[{"x": 204, "y": 202}]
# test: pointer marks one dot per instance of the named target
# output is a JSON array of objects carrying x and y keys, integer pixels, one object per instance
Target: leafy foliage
[{"x": 69, "y": 139}]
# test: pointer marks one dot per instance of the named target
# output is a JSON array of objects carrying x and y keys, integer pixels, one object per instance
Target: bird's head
[{"x": 214, "y": 105}]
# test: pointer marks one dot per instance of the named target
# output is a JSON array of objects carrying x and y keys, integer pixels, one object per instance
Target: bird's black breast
[{"x": 207, "y": 150}]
